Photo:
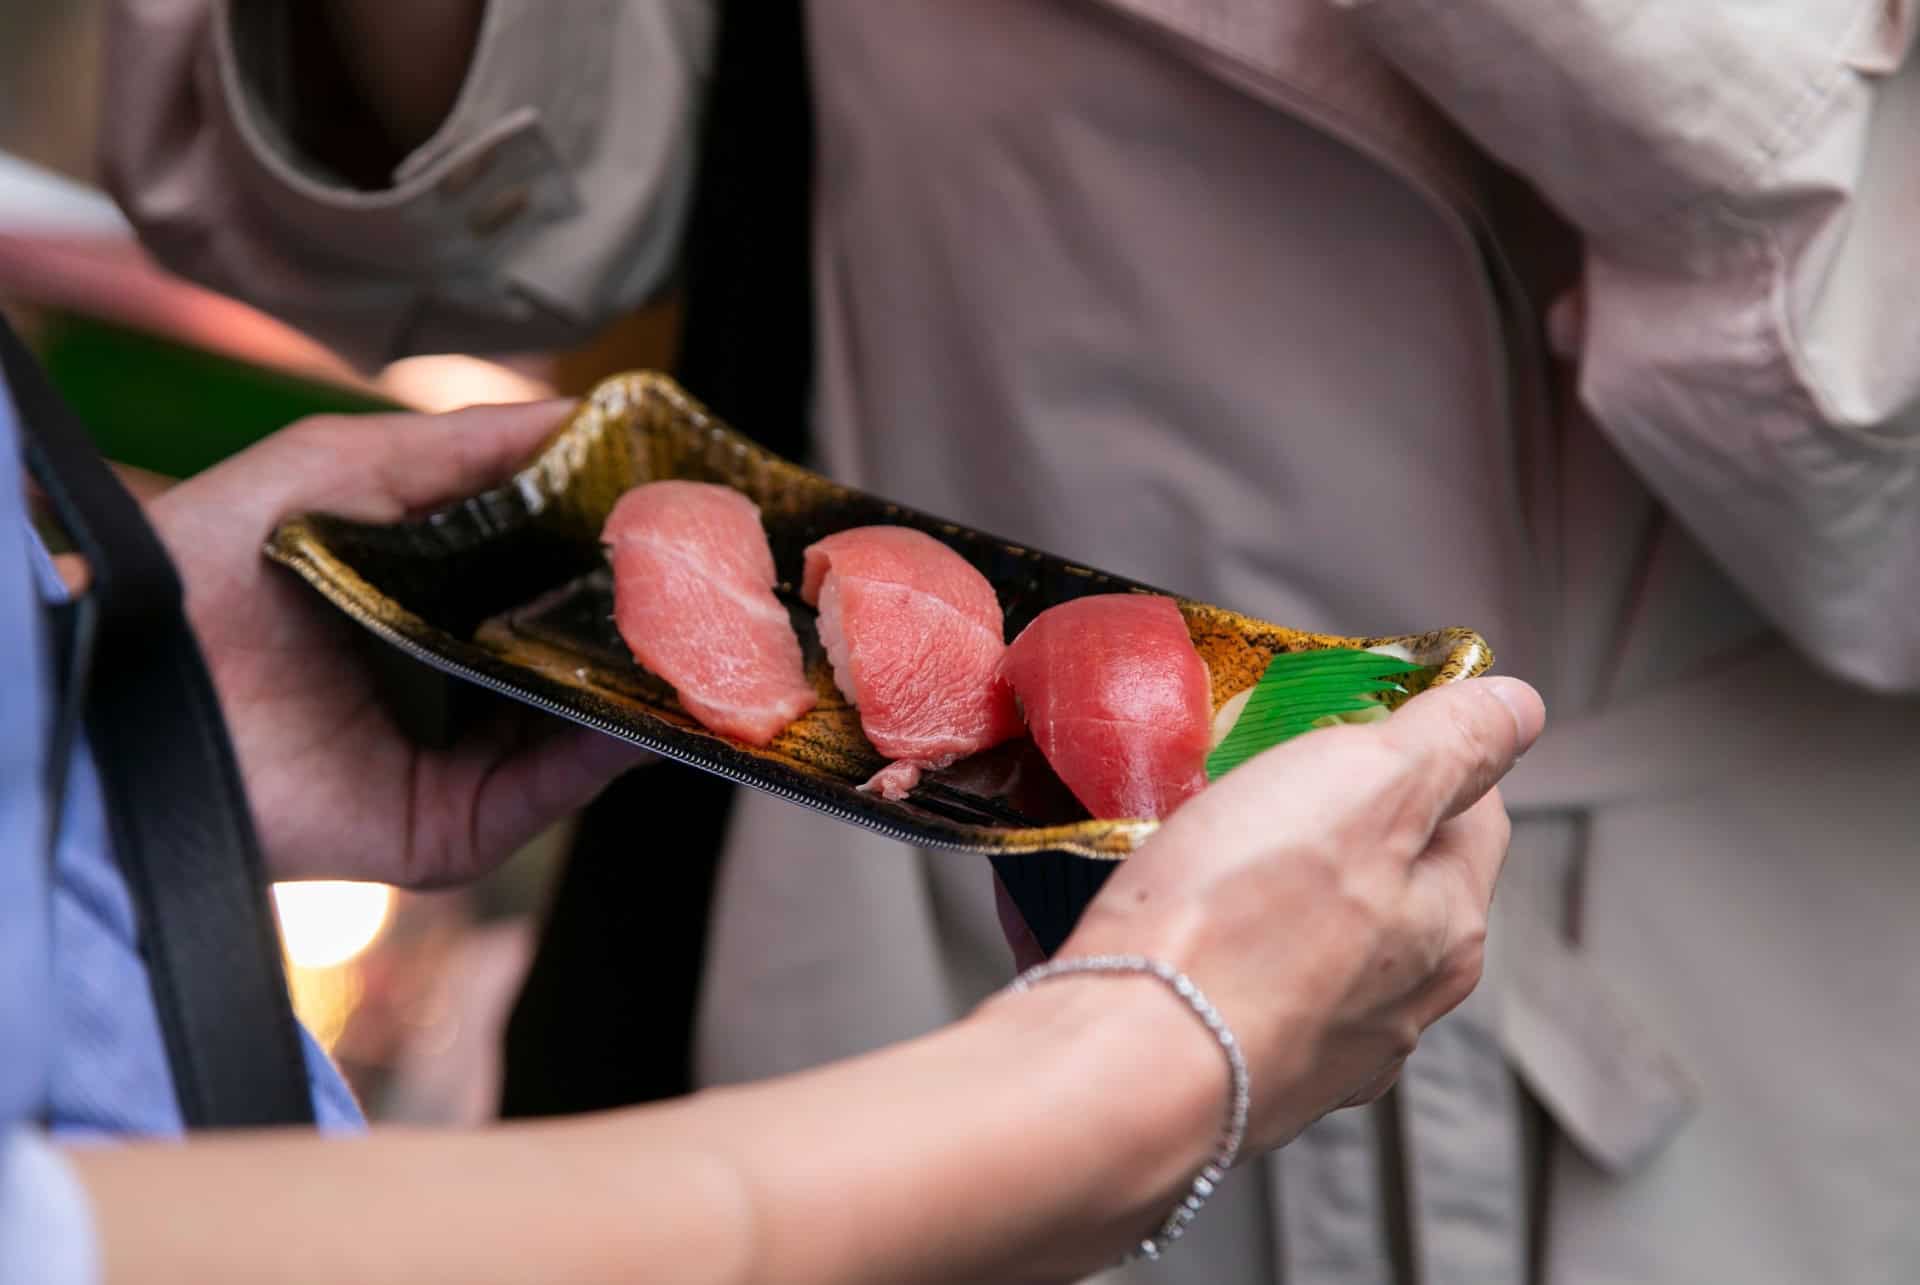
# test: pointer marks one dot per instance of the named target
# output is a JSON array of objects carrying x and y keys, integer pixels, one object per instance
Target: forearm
[
  {"x": 407, "y": 60},
  {"x": 1035, "y": 1139},
  {"x": 557, "y": 1203}
]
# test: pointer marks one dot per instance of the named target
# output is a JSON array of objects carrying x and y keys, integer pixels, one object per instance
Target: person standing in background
[{"x": 1581, "y": 327}]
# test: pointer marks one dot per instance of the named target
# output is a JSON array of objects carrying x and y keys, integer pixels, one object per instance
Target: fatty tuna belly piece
[
  {"x": 1118, "y": 700},
  {"x": 693, "y": 597},
  {"x": 915, "y": 636}
]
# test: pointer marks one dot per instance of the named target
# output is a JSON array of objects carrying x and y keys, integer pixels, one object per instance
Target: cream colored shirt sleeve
[
  {"x": 1748, "y": 183},
  {"x": 551, "y": 199}
]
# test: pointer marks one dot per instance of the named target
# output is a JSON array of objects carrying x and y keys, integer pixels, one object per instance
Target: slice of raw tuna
[
  {"x": 693, "y": 597},
  {"x": 1118, "y": 700},
  {"x": 915, "y": 637}
]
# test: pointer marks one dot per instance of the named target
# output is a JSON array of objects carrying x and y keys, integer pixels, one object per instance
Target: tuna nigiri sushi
[
  {"x": 1118, "y": 700},
  {"x": 693, "y": 597},
  {"x": 915, "y": 637}
]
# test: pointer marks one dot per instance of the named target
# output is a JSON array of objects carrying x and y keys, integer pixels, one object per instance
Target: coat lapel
[{"x": 1304, "y": 57}]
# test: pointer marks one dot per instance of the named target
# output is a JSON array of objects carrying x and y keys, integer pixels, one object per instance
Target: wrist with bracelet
[{"x": 1239, "y": 1091}]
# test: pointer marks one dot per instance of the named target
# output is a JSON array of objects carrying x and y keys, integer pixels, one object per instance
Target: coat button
[
  {"x": 464, "y": 175},
  {"x": 492, "y": 215}
]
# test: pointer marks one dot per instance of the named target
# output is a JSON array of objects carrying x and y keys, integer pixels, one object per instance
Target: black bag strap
[{"x": 176, "y": 808}]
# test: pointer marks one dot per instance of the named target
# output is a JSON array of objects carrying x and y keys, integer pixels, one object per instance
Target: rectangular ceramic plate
[{"x": 510, "y": 590}]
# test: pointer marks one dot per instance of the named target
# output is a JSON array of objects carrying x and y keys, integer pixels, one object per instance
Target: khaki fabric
[{"x": 550, "y": 200}]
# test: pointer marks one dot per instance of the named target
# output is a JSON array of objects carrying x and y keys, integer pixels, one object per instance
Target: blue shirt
[{"x": 81, "y": 1054}]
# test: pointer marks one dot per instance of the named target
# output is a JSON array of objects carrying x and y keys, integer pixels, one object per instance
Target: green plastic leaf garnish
[{"x": 1302, "y": 690}]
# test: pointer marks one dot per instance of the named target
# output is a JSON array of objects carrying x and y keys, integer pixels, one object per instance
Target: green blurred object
[
  {"x": 170, "y": 408},
  {"x": 1303, "y": 690}
]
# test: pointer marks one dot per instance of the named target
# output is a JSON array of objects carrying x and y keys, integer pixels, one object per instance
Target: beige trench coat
[{"x": 1703, "y": 963}]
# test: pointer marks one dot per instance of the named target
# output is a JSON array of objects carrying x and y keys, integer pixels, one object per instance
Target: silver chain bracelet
[{"x": 1239, "y": 1092}]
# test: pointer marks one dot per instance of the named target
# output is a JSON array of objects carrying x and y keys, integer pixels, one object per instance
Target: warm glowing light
[
  {"x": 325, "y": 999},
  {"x": 449, "y": 381},
  {"x": 327, "y": 924}
]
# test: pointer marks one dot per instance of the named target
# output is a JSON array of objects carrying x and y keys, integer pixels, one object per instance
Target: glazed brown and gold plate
[{"x": 510, "y": 590}]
